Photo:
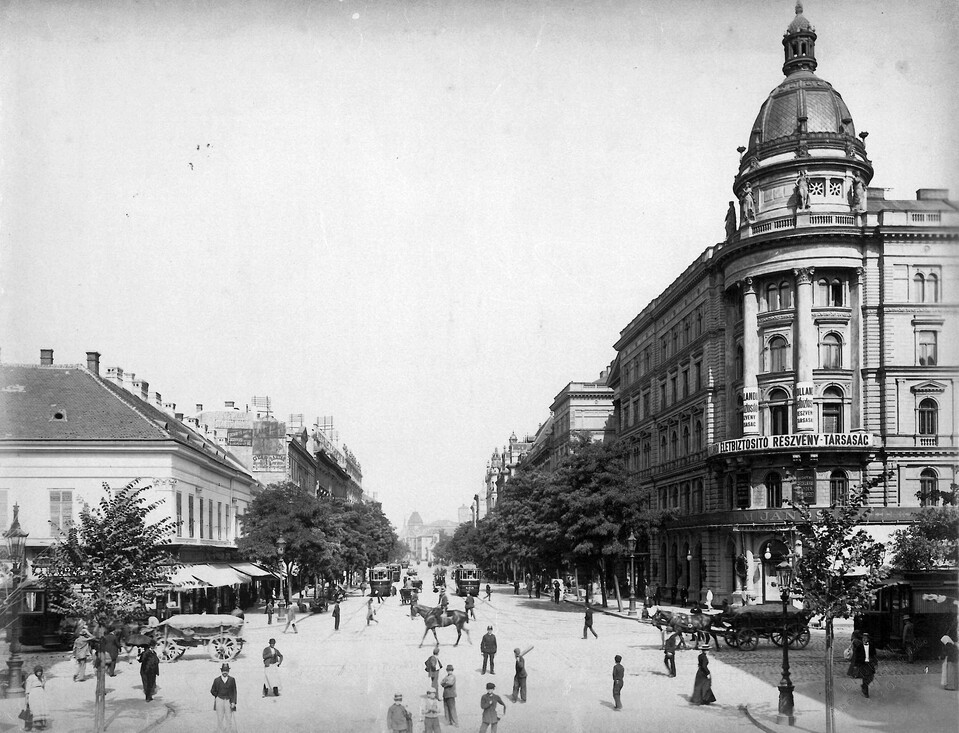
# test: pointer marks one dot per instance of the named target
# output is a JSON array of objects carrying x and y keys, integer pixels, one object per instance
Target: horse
[
  {"x": 459, "y": 619},
  {"x": 700, "y": 625}
]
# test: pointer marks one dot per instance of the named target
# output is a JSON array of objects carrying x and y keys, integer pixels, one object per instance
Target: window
[
  {"x": 699, "y": 323},
  {"x": 61, "y": 510},
  {"x": 200, "y": 502},
  {"x": 772, "y": 297},
  {"x": 662, "y": 449},
  {"x": 835, "y": 187},
  {"x": 189, "y": 514},
  {"x": 219, "y": 520},
  {"x": 932, "y": 289},
  {"x": 928, "y": 417},
  {"x": 672, "y": 388},
  {"x": 928, "y": 487},
  {"x": 778, "y": 296},
  {"x": 662, "y": 395},
  {"x": 698, "y": 497},
  {"x": 838, "y": 488},
  {"x": 829, "y": 293},
  {"x": 179, "y": 514},
  {"x": 919, "y": 288},
  {"x": 646, "y": 452},
  {"x": 673, "y": 445},
  {"x": 778, "y": 412},
  {"x": 778, "y": 354},
  {"x": 774, "y": 490},
  {"x": 698, "y": 375},
  {"x": 785, "y": 296},
  {"x": 926, "y": 347},
  {"x": 686, "y": 329},
  {"x": 684, "y": 382},
  {"x": 738, "y": 366},
  {"x": 698, "y": 436},
  {"x": 830, "y": 351},
  {"x": 685, "y": 440},
  {"x": 209, "y": 519},
  {"x": 832, "y": 410},
  {"x": 925, "y": 287},
  {"x": 817, "y": 187},
  {"x": 646, "y": 403}
]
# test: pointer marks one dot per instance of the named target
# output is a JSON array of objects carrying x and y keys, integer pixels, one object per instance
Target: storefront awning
[
  {"x": 183, "y": 579},
  {"x": 254, "y": 571},
  {"x": 218, "y": 574}
]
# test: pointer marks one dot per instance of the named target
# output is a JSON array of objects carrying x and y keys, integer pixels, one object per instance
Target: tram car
[
  {"x": 381, "y": 581},
  {"x": 466, "y": 579},
  {"x": 395, "y": 571}
]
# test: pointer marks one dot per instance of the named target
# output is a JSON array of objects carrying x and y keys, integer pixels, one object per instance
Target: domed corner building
[{"x": 803, "y": 355}]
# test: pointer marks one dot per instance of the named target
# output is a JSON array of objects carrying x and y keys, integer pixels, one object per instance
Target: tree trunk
[
  {"x": 100, "y": 708},
  {"x": 830, "y": 689}
]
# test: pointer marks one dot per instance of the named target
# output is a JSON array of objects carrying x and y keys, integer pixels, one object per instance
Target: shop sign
[{"x": 821, "y": 441}]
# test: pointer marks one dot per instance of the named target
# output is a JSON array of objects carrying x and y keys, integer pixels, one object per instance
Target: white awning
[
  {"x": 254, "y": 571},
  {"x": 183, "y": 578},
  {"x": 218, "y": 574}
]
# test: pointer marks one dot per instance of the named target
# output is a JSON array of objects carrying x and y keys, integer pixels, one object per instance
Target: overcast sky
[{"x": 421, "y": 218}]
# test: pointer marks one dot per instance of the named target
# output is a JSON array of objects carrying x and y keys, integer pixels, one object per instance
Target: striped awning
[
  {"x": 218, "y": 574},
  {"x": 254, "y": 571},
  {"x": 183, "y": 579}
]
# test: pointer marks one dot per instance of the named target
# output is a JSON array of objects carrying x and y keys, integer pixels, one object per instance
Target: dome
[
  {"x": 415, "y": 520},
  {"x": 799, "y": 22}
]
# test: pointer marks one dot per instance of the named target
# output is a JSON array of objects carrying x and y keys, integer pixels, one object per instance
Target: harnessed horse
[
  {"x": 700, "y": 625},
  {"x": 431, "y": 619}
]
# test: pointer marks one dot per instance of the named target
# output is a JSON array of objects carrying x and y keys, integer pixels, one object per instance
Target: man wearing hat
[
  {"x": 909, "y": 638},
  {"x": 398, "y": 718},
  {"x": 449, "y": 695},
  {"x": 519, "y": 679},
  {"x": 488, "y": 702},
  {"x": 272, "y": 659},
  {"x": 224, "y": 700},
  {"x": 431, "y": 712},
  {"x": 488, "y": 648}
]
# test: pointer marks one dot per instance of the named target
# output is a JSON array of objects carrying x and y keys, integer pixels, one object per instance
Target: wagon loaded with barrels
[
  {"x": 747, "y": 624},
  {"x": 220, "y": 634}
]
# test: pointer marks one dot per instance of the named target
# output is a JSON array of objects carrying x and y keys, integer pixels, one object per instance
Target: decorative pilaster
[
  {"x": 806, "y": 349},
  {"x": 855, "y": 351},
  {"x": 750, "y": 358}
]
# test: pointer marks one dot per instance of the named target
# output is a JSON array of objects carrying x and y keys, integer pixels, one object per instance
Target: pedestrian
[
  {"x": 555, "y": 591},
  {"x": 379, "y": 596},
  {"x": 470, "y": 603},
  {"x": 129, "y": 628},
  {"x": 81, "y": 652},
  {"x": 669, "y": 652},
  {"x": 110, "y": 645},
  {"x": 863, "y": 664},
  {"x": 489, "y": 593},
  {"x": 398, "y": 718},
  {"x": 529, "y": 588},
  {"x": 362, "y": 587},
  {"x": 149, "y": 670},
  {"x": 703, "y": 686},
  {"x": 909, "y": 638},
  {"x": 448, "y": 684},
  {"x": 433, "y": 667},
  {"x": 488, "y": 703},
  {"x": 430, "y": 712},
  {"x": 536, "y": 588},
  {"x": 291, "y": 617},
  {"x": 414, "y": 602},
  {"x": 950, "y": 666},
  {"x": 519, "y": 678},
  {"x": 36, "y": 698},
  {"x": 588, "y": 621},
  {"x": 488, "y": 648},
  {"x": 272, "y": 659},
  {"x": 709, "y": 599},
  {"x": 270, "y": 610},
  {"x": 516, "y": 586},
  {"x": 619, "y": 674},
  {"x": 336, "y": 616},
  {"x": 224, "y": 700},
  {"x": 683, "y": 596},
  {"x": 370, "y": 613}
]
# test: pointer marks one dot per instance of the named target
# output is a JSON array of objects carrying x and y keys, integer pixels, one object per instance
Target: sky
[{"x": 423, "y": 219}]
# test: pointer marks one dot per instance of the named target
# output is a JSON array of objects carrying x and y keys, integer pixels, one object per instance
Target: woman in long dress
[
  {"x": 950, "y": 667},
  {"x": 37, "y": 697},
  {"x": 703, "y": 686}
]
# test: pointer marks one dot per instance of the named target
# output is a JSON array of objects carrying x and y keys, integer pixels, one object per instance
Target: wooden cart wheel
[
  {"x": 169, "y": 650},
  {"x": 800, "y": 638},
  {"x": 748, "y": 640},
  {"x": 776, "y": 637},
  {"x": 731, "y": 637},
  {"x": 223, "y": 647}
]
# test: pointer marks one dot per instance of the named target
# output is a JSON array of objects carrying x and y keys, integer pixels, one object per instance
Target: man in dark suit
[
  {"x": 336, "y": 616},
  {"x": 149, "y": 669},
  {"x": 863, "y": 664},
  {"x": 488, "y": 648},
  {"x": 110, "y": 645},
  {"x": 224, "y": 700},
  {"x": 619, "y": 674},
  {"x": 669, "y": 652},
  {"x": 519, "y": 678}
]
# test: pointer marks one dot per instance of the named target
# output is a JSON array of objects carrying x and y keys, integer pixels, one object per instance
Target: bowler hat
[
  {"x": 397, "y": 698},
  {"x": 489, "y": 628},
  {"x": 449, "y": 667},
  {"x": 490, "y": 686},
  {"x": 224, "y": 667}
]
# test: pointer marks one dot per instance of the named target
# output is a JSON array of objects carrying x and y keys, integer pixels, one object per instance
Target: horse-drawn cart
[
  {"x": 747, "y": 624},
  {"x": 219, "y": 633}
]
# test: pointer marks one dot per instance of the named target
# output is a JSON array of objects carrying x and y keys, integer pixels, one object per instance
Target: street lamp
[
  {"x": 784, "y": 572},
  {"x": 631, "y": 546},
  {"x": 16, "y": 544},
  {"x": 280, "y": 549}
]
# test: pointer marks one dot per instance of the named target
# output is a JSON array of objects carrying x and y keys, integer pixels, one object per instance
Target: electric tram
[{"x": 466, "y": 579}]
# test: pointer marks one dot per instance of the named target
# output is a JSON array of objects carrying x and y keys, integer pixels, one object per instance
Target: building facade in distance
[{"x": 803, "y": 355}]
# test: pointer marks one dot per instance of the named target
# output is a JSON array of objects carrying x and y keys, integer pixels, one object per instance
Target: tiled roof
[{"x": 68, "y": 403}]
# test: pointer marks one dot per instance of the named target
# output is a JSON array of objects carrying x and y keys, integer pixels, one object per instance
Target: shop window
[
  {"x": 838, "y": 488},
  {"x": 928, "y": 417},
  {"x": 774, "y": 490},
  {"x": 830, "y": 351}
]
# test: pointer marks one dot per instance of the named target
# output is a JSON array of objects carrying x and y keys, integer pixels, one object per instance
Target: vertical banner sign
[
  {"x": 804, "y": 487},
  {"x": 750, "y": 411},
  {"x": 805, "y": 409}
]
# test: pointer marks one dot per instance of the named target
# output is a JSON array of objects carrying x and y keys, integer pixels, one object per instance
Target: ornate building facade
[{"x": 803, "y": 355}]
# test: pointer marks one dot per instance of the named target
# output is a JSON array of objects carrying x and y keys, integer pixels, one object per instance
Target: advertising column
[{"x": 750, "y": 359}]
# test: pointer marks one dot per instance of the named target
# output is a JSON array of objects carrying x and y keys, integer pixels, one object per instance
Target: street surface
[{"x": 345, "y": 681}]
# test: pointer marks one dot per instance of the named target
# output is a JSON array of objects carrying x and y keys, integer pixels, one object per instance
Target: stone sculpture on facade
[
  {"x": 802, "y": 191},
  {"x": 748, "y": 204},
  {"x": 730, "y": 221},
  {"x": 859, "y": 196}
]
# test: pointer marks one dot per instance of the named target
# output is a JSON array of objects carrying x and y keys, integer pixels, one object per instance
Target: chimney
[
  {"x": 170, "y": 407},
  {"x": 145, "y": 390},
  {"x": 93, "y": 362},
  {"x": 932, "y": 194},
  {"x": 46, "y": 357},
  {"x": 199, "y": 407},
  {"x": 178, "y": 416},
  {"x": 130, "y": 382},
  {"x": 157, "y": 400},
  {"x": 229, "y": 404},
  {"x": 115, "y": 375}
]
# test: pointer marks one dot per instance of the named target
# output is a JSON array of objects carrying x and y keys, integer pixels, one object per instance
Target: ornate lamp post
[
  {"x": 16, "y": 544},
  {"x": 280, "y": 550},
  {"x": 784, "y": 572},
  {"x": 631, "y": 546}
]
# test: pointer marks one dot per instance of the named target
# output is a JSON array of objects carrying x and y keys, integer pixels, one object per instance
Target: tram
[
  {"x": 395, "y": 571},
  {"x": 381, "y": 581},
  {"x": 466, "y": 579}
]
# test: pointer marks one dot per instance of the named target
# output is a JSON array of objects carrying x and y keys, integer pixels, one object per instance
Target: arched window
[
  {"x": 928, "y": 417},
  {"x": 928, "y": 487},
  {"x": 919, "y": 288},
  {"x": 774, "y": 490},
  {"x": 739, "y": 362},
  {"x": 674, "y": 497},
  {"x": 698, "y": 436},
  {"x": 699, "y": 323},
  {"x": 832, "y": 410},
  {"x": 662, "y": 449},
  {"x": 932, "y": 289},
  {"x": 836, "y": 293},
  {"x": 646, "y": 451},
  {"x": 686, "y": 327},
  {"x": 829, "y": 293},
  {"x": 785, "y": 296},
  {"x": 772, "y": 297},
  {"x": 822, "y": 292},
  {"x": 838, "y": 488},
  {"x": 673, "y": 445},
  {"x": 686, "y": 440},
  {"x": 730, "y": 492},
  {"x": 778, "y": 412},
  {"x": 686, "y": 499},
  {"x": 698, "y": 497},
  {"x": 830, "y": 351},
  {"x": 662, "y": 499},
  {"x": 778, "y": 354}
]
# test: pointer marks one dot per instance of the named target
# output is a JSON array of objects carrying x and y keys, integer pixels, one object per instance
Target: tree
[
  {"x": 839, "y": 568},
  {"x": 109, "y": 562},
  {"x": 931, "y": 541}
]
